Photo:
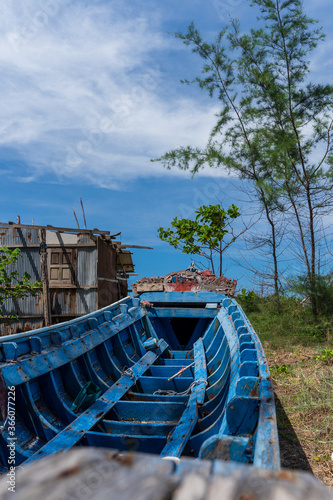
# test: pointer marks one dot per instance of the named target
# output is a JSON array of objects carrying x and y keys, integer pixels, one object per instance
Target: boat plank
[
  {"x": 74, "y": 432},
  {"x": 145, "y": 429},
  {"x": 181, "y": 312},
  {"x": 182, "y": 431},
  {"x": 149, "y": 411},
  {"x": 151, "y": 385},
  {"x": 39, "y": 364}
]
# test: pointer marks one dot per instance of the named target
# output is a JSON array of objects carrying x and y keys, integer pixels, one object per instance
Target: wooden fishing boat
[{"x": 177, "y": 374}]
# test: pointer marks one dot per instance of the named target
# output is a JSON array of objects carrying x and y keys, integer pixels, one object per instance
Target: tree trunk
[{"x": 274, "y": 252}]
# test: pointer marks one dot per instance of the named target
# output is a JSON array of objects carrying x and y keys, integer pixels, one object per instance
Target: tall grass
[
  {"x": 289, "y": 323},
  {"x": 299, "y": 349}
]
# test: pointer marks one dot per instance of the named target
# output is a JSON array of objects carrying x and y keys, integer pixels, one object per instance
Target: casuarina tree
[{"x": 274, "y": 128}]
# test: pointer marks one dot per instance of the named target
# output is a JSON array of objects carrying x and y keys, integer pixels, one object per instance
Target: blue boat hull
[{"x": 174, "y": 373}]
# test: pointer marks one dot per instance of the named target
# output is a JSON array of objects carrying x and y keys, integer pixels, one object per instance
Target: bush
[
  {"x": 318, "y": 288},
  {"x": 11, "y": 285},
  {"x": 249, "y": 301},
  {"x": 285, "y": 321}
]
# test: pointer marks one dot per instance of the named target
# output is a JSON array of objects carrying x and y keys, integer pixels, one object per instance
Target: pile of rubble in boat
[{"x": 190, "y": 279}]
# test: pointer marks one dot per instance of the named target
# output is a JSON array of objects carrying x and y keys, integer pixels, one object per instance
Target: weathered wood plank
[{"x": 99, "y": 474}]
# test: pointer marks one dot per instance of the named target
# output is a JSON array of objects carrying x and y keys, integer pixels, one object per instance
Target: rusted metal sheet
[
  {"x": 72, "y": 302},
  {"x": 63, "y": 302},
  {"x": 21, "y": 325},
  {"x": 12, "y": 236}
]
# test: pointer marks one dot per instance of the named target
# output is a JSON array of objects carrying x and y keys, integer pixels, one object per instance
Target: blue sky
[{"x": 90, "y": 92}]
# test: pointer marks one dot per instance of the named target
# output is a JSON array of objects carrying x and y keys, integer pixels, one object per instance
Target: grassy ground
[{"x": 303, "y": 383}]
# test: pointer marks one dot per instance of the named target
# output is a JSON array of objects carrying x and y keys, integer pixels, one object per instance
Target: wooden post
[
  {"x": 84, "y": 215},
  {"x": 45, "y": 279}
]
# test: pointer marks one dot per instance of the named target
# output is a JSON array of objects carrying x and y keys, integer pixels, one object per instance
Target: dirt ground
[{"x": 303, "y": 389}]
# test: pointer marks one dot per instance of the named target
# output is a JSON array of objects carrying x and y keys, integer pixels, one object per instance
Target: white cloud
[{"x": 83, "y": 96}]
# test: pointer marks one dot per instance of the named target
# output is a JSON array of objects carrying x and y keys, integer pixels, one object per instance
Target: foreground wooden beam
[{"x": 97, "y": 474}]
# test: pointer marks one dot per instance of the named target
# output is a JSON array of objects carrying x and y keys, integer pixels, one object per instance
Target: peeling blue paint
[{"x": 152, "y": 398}]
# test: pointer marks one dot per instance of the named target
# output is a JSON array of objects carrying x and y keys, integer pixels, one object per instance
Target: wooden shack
[{"x": 81, "y": 270}]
